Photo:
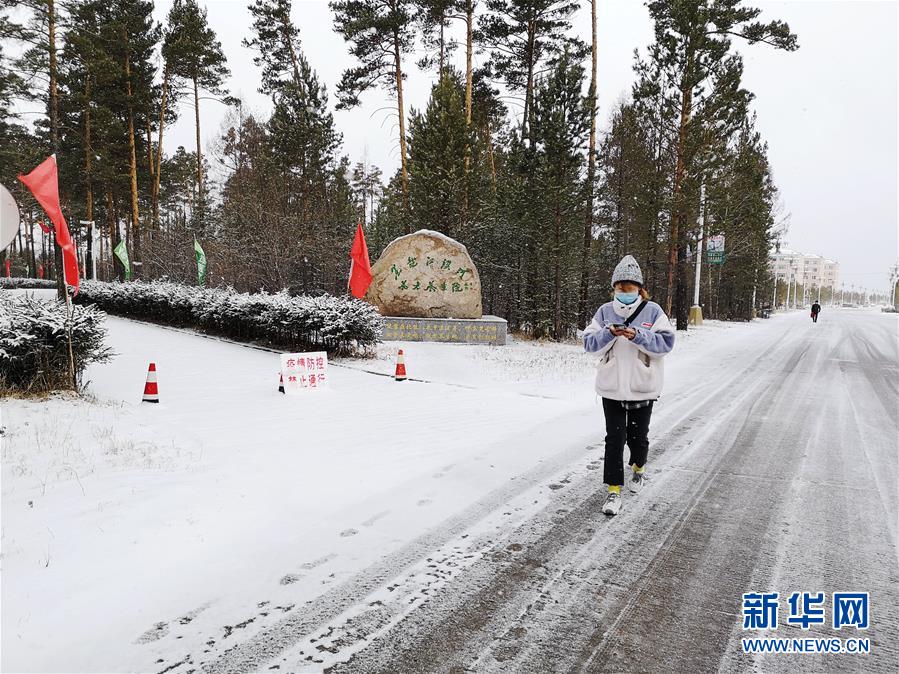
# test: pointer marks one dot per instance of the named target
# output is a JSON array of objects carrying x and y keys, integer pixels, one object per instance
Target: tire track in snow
[
  {"x": 513, "y": 600},
  {"x": 272, "y": 640},
  {"x": 526, "y": 615},
  {"x": 497, "y": 583}
]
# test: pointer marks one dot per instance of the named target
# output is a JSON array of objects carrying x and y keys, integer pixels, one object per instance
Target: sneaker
[
  {"x": 612, "y": 504},
  {"x": 636, "y": 482}
]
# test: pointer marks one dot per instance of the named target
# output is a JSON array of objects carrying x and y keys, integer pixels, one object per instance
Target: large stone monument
[{"x": 428, "y": 289}]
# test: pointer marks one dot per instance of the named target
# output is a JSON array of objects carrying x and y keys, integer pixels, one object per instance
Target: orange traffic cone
[
  {"x": 281, "y": 383},
  {"x": 400, "y": 374},
  {"x": 151, "y": 392}
]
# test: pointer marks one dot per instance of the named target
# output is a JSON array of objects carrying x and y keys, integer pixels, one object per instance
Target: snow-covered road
[{"x": 450, "y": 524}]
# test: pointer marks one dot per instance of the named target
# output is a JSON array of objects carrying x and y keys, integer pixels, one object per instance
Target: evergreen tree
[
  {"x": 433, "y": 19},
  {"x": 381, "y": 33},
  {"x": 367, "y": 189},
  {"x": 195, "y": 54},
  {"x": 438, "y": 138},
  {"x": 521, "y": 36},
  {"x": 561, "y": 130},
  {"x": 583, "y": 312},
  {"x": 301, "y": 146},
  {"x": 740, "y": 204},
  {"x": 693, "y": 52}
]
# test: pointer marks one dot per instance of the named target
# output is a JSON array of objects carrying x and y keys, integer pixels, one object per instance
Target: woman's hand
[{"x": 630, "y": 333}]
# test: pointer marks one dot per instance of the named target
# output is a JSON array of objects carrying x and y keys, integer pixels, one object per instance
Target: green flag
[
  {"x": 121, "y": 252},
  {"x": 201, "y": 262}
]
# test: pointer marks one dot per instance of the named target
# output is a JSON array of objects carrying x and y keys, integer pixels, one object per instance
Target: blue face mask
[{"x": 627, "y": 298}]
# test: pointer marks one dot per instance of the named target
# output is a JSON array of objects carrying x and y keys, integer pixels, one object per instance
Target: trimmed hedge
[
  {"x": 339, "y": 325},
  {"x": 13, "y": 283},
  {"x": 34, "y": 349}
]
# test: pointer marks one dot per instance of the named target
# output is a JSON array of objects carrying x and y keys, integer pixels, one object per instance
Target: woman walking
[{"x": 632, "y": 336}]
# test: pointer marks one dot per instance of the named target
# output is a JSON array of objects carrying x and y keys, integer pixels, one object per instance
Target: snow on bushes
[
  {"x": 13, "y": 283},
  {"x": 339, "y": 325},
  {"x": 34, "y": 349}
]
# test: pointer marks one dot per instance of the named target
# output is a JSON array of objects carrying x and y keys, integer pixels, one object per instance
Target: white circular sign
[{"x": 9, "y": 218}]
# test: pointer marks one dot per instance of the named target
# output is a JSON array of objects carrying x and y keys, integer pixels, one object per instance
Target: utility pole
[
  {"x": 695, "y": 317},
  {"x": 894, "y": 276},
  {"x": 789, "y": 288},
  {"x": 774, "y": 301}
]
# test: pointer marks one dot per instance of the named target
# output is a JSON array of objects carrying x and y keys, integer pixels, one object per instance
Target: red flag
[
  {"x": 43, "y": 182},
  {"x": 360, "y": 269}
]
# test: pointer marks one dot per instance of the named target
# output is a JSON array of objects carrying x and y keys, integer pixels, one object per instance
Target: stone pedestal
[
  {"x": 695, "y": 317},
  {"x": 484, "y": 330}
]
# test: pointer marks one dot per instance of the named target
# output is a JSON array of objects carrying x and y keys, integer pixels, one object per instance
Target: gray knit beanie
[{"x": 627, "y": 270}]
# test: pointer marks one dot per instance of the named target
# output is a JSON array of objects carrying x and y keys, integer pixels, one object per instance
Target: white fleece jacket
[{"x": 630, "y": 369}]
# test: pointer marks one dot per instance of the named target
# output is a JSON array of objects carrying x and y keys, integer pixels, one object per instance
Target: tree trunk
[
  {"x": 557, "y": 271},
  {"x": 154, "y": 192},
  {"x": 135, "y": 214},
  {"x": 201, "y": 205},
  {"x": 285, "y": 28},
  {"x": 54, "y": 135},
  {"x": 148, "y": 217},
  {"x": 89, "y": 206},
  {"x": 442, "y": 47},
  {"x": 591, "y": 178},
  {"x": 679, "y": 174},
  {"x": 469, "y": 18},
  {"x": 31, "y": 238},
  {"x": 529, "y": 88},
  {"x": 398, "y": 74},
  {"x": 490, "y": 158}
]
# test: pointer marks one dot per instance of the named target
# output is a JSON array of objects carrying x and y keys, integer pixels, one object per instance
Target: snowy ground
[{"x": 231, "y": 528}]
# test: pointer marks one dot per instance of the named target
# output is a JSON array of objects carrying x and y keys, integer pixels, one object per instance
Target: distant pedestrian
[
  {"x": 632, "y": 335},
  {"x": 816, "y": 309}
]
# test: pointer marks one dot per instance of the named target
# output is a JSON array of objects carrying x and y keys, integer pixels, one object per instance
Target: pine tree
[
  {"x": 583, "y": 315},
  {"x": 692, "y": 46},
  {"x": 134, "y": 37},
  {"x": 521, "y": 36},
  {"x": 302, "y": 143},
  {"x": 433, "y": 18},
  {"x": 195, "y": 54},
  {"x": 367, "y": 188},
  {"x": 381, "y": 33},
  {"x": 438, "y": 138},
  {"x": 740, "y": 204},
  {"x": 561, "y": 129}
]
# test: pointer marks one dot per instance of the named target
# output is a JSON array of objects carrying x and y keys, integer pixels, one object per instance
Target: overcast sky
[{"x": 828, "y": 111}]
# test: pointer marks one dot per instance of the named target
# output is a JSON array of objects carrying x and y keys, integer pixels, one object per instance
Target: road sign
[
  {"x": 715, "y": 249},
  {"x": 304, "y": 371}
]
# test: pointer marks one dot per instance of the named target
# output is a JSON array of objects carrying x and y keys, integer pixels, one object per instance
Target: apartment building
[{"x": 807, "y": 270}]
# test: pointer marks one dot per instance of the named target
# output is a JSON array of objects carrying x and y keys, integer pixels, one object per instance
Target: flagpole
[
  {"x": 70, "y": 316},
  {"x": 350, "y": 278}
]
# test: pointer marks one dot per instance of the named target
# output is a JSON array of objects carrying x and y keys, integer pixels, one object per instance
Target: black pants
[
  {"x": 624, "y": 426},
  {"x": 814, "y": 317}
]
